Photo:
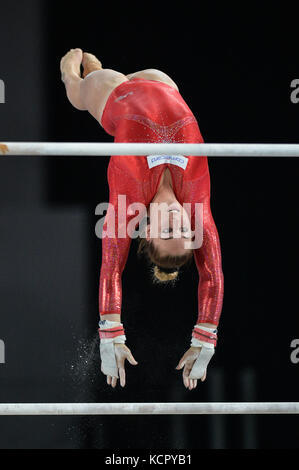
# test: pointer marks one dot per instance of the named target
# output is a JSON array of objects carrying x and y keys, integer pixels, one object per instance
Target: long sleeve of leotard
[
  {"x": 209, "y": 264},
  {"x": 115, "y": 252}
]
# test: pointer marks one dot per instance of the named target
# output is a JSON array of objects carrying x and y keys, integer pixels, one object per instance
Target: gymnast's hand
[
  {"x": 122, "y": 352},
  {"x": 187, "y": 362}
]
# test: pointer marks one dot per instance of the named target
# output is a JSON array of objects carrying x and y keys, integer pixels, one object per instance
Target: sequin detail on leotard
[{"x": 163, "y": 133}]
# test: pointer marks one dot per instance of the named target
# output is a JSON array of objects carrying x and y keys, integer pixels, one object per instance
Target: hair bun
[{"x": 165, "y": 276}]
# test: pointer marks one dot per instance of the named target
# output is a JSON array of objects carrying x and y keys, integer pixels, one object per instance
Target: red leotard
[{"x": 149, "y": 111}]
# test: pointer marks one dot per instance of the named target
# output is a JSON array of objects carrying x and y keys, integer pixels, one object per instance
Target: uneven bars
[
  {"x": 63, "y": 409},
  {"x": 107, "y": 149}
]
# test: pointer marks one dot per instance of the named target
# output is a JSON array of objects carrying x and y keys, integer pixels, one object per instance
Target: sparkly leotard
[{"x": 150, "y": 111}]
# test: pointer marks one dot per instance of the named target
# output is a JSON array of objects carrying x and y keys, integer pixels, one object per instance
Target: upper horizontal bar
[
  {"x": 104, "y": 149},
  {"x": 57, "y": 409}
]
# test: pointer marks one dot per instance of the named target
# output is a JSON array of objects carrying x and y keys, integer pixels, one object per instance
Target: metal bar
[
  {"x": 45, "y": 409},
  {"x": 107, "y": 149}
]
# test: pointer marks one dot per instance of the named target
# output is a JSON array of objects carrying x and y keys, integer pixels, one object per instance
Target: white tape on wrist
[
  {"x": 108, "y": 358},
  {"x": 201, "y": 364},
  {"x": 111, "y": 333},
  {"x": 206, "y": 339}
]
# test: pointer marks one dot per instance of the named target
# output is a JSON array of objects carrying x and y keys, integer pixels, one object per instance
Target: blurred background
[{"x": 234, "y": 68}]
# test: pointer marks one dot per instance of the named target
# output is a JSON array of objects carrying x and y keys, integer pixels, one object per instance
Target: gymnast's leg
[
  {"x": 91, "y": 92},
  {"x": 153, "y": 74}
]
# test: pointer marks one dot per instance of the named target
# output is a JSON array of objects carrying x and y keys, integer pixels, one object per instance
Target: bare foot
[
  {"x": 70, "y": 64},
  {"x": 90, "y": 64}
]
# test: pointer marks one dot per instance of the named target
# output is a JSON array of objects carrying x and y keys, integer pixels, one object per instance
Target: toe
[
  {"x": 90, "y": 63},
  {"x": 87, "y": 57}
]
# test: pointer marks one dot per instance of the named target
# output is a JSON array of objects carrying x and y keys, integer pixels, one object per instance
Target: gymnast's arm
[
  {"x": 114, "y": 256},
  {"x": 210, "y": 298},
  {"x": 115, "y": 249},
  {"x": 209, "y": 264}
]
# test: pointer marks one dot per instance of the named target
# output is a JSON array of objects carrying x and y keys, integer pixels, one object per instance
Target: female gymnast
[{"x": 147, "y": 107}]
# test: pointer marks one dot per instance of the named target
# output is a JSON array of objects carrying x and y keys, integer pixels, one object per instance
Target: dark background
[{"x": 234, "y": 69}]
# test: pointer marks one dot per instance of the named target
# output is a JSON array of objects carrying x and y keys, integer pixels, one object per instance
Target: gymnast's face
[{"x": 169, "y": 227}]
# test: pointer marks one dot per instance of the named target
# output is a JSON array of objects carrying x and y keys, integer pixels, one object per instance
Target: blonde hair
[
  {"x": 165, "y": 269},
  {"x": 162, "y": 276}
]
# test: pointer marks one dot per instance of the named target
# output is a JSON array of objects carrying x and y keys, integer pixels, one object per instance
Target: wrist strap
[
  {"x": 204, "y": 336},
  {"x": 112, "y": 332}
]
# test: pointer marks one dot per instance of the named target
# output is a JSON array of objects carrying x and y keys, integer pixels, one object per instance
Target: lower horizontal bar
[
  {"x": 60, "y": 409},
  {"x": 136, "y": 149}
]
